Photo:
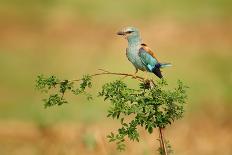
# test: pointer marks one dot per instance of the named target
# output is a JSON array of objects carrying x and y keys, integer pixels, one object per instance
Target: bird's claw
[{"x": 134, "y": 76}]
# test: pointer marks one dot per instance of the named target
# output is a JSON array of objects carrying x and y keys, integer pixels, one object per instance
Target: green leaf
[{"x": 150, "y": 129}]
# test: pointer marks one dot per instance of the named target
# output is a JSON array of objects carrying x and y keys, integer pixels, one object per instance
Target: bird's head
[{"x": 129, "y": 33}]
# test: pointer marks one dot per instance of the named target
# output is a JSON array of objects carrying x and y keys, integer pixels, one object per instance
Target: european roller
[{"x": 139, "y": 54}]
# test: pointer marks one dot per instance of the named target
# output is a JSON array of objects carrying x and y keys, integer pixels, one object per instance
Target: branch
[
  {"x": 162, "y": 143},
  {"x": 105, "y": 72}
]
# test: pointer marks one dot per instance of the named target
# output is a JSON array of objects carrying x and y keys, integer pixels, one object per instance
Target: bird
[{"x": 139, "y": 54}]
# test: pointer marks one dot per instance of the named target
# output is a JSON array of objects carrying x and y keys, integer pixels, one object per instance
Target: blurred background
[{"x": 74, "y": 37}]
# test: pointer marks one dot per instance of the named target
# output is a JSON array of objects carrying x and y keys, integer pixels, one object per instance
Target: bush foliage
[{"x": 150, "y": 106}]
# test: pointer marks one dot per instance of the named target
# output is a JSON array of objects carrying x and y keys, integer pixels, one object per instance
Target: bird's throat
[{"x": 134, "y": 41}]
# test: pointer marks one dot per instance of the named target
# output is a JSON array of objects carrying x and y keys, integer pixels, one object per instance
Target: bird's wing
[
  {"x": 148, "y": 50},
  {"x": 147, "y": 57}
]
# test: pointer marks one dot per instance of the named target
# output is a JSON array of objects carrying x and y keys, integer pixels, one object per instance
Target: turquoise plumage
[{"x": 139, "y": 54}]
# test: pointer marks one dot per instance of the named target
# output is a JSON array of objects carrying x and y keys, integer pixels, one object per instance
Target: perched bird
[{"x": 139, "y": 54}]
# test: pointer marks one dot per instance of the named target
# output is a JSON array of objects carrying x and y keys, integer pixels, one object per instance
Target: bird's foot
[{"x": 134, "y": 76}]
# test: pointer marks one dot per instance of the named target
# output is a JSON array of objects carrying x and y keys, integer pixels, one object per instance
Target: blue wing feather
[{"x": 149, "y": 61}]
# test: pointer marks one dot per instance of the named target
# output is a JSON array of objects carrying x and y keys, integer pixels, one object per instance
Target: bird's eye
[{"x": 129, "y": 32}]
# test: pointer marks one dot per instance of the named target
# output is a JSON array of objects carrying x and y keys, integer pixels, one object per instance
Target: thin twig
[
  {"x": 162, "y": 143},
  {"x": 105, "y": 72}
]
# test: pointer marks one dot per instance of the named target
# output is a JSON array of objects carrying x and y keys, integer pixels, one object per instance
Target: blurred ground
[{"x": 71, "y": 38}]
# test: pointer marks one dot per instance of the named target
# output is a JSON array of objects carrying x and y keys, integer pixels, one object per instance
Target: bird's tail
[
  {"x": 163, "y": 65},
  {"x": 157, "y": 72},
  {"x": 156, "y": 69}
]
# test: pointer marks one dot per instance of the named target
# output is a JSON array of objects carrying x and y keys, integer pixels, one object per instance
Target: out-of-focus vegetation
[{"x": 74, "y": 37}]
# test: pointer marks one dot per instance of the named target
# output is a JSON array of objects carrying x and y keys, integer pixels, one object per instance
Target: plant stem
[
  {"x": 162, "y": 143},
  {"x": 105, "y": 72}
]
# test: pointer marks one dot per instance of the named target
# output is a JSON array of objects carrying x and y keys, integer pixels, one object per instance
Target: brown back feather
[{"x": 147, "y": 49}]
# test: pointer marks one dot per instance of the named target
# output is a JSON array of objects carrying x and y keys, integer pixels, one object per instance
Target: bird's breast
[{"x": 133, "y": 56}]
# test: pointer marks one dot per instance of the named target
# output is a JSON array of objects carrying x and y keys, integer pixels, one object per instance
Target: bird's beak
[{"x": 121, "y": 33}]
